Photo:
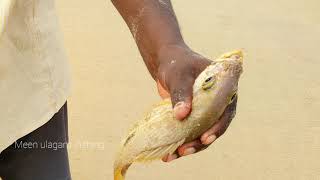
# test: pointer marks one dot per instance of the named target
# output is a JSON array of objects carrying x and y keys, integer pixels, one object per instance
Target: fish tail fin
[{"x": 120, "y": 172}]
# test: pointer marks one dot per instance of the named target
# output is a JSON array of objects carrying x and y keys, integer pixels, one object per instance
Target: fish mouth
[
  {"x": 234, "y": 55},
  {"x": 236, "y": 62},
  {"x": 230, "y": 67},
  {"x": 231, "y": 61}
]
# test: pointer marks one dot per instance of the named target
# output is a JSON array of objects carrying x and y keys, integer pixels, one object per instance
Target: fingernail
[
  {"x": 189, "y": 151},
  {"x": 210, "y": 139},
  {"x": 172, "y": 157},
  {"x": 181, "y": 110}
]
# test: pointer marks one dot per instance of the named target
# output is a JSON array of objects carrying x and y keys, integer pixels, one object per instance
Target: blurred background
[{"x": 275, "y": 134}]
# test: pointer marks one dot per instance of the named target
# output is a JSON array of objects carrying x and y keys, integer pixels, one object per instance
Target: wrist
[
  {"x": 176, "y": 59},
  {"x": 167, "y": 53},
  {"x": 163, "y": 55},
  {"x": 172, "y": 59}
]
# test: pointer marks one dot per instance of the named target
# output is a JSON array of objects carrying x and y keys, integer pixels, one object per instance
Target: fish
[{"x": 159, "y": 133}]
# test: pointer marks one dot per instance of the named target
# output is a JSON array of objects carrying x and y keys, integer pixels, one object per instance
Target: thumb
[{"x": 181, "y": 96}]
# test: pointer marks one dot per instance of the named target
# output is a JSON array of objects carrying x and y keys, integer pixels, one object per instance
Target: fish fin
[
  {"x": 118, "y": 175},
  {"x": 159, "y": 152},
  {"x": 120, "y": 172}
]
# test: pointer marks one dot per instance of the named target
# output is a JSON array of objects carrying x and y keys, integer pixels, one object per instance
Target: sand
[{"x": 275, "y": 134}]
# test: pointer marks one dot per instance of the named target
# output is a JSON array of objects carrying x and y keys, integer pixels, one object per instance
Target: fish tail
[{"x": 120, "y": 172}]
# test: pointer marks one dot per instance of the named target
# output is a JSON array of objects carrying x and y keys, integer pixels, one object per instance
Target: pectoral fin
[{"x": 159, "y": 152}]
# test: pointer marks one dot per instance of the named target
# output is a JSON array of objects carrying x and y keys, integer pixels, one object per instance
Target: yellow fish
[{"x": 159, "y": 133}]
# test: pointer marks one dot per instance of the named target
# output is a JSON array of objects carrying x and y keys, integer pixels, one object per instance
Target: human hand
[{"x": 176, "y": 74}]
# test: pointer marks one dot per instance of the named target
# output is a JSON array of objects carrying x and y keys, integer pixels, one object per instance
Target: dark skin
[{"x": 171, "y": 62}]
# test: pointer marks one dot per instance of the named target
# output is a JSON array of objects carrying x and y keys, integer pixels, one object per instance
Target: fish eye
[
  {"x": 209, "y": 79},
  {"x": 233, "y": 97},
  {"x": 208, "y": 83}
]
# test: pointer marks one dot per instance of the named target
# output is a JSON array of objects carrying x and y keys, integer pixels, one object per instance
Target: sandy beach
[{"x": 275, "y": 135}]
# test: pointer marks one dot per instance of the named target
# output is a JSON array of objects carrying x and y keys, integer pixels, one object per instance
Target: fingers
[
  {"x": 181, "y": 96},
  {"x": 185, "y": 150},
  {"x": 221, "y": 126},
  {"x": 216, "y": 131},
  {"x": 182, "y": 109},
  {"x": 208, "y": 137},
  {"x": 190, "y": 148},
  {"x": 179, "y": 88},
  {"x": 170, "y": 157},
  {"x": 205, "y": 140},
  {"x": 162, "y": 91}
]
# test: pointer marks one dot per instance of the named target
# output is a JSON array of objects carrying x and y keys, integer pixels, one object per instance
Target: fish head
[{"x": 219, "y": 81}]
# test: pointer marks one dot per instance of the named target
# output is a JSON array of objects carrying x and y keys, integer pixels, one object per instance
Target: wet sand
[{"x": 275, "y": 134}]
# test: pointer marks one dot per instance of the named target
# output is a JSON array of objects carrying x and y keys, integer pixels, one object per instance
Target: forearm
[
  {"x": 153, "y": 25},
  {"x": 5, "y": 7}
]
